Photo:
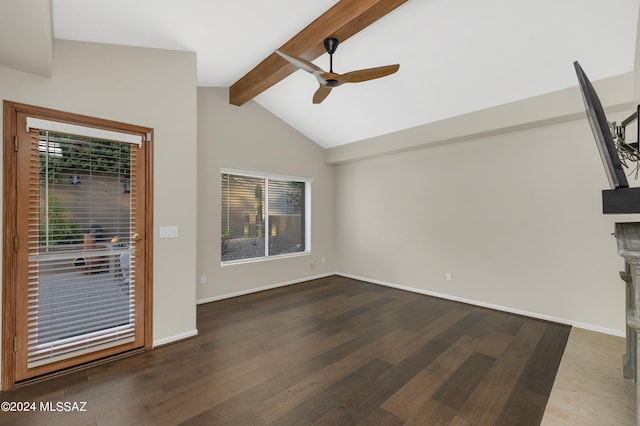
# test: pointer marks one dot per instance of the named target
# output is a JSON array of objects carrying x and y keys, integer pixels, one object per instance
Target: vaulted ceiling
[{"x": 455, "y": 56}]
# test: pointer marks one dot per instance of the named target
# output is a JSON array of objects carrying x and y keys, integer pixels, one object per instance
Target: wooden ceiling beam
[{"x": 342, "y": 20}]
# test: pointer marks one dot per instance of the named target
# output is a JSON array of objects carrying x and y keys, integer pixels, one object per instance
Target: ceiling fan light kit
[{"x": 329, "y": 80}]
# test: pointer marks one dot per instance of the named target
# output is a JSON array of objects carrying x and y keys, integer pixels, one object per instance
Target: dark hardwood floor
[{"x": 332, "y": 351}]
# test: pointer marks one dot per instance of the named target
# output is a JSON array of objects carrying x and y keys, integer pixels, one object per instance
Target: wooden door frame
[{"x": 9, "y": 199}]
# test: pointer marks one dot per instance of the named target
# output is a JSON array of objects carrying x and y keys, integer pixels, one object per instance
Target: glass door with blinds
[{"x": 78, "y": 243}]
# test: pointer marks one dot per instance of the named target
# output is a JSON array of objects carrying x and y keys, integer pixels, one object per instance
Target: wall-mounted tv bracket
[{"x": 627, "y": 151}]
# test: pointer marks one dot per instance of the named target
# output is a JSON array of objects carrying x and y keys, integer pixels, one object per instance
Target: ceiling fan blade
[
  {"x": 369, "y": 73},
  {"x": 303, "y": 64},
  {"x": 321, "y": 94}
]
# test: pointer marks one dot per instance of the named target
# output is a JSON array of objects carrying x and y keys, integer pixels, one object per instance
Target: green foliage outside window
[
  {"x": 62, "y": 230},
  {"x": 225, "y": 236},
  {"x": 68, "y": 153}
]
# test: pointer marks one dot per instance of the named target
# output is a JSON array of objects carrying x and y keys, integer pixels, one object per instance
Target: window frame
[{"x": 307, "y": 213}]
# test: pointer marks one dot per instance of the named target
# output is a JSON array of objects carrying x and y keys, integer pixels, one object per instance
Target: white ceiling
[{"x": 455, "y": 56}]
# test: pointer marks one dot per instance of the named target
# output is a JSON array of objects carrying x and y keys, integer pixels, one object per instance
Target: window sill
[{"x": 263, "y": 258}]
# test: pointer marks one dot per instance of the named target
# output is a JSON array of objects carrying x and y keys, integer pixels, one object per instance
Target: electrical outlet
[
  {"x": 203, "y": 279},
  {"x": 449, "y": 277},
  {"x": 313, "y": 265}
]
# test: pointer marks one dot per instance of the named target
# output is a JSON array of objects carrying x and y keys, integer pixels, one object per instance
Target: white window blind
[
  {"x": 81, "y": 296},
  {"x": 264, "y": 215}
]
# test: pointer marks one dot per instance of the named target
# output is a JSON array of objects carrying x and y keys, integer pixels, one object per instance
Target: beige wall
[
  {"x": 147, "y": 87},
  {"x": 513, "y": 211},
  {"x": 251, "y": 138}
]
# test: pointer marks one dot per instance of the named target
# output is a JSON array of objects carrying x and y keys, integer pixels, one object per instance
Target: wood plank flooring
[{"x": 333, "y": 351}]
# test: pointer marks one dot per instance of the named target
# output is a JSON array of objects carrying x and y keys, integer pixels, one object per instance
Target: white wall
[
  {"x": 507, "y": 200},
  {"x": 146, "y": 87},
  {"x": 251, "y": 138}
]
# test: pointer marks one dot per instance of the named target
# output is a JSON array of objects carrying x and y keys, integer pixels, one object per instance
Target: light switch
[{"x": 168, "y": 232}]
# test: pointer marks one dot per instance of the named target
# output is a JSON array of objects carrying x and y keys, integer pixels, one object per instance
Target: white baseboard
[
  {"x": 175, "y": 338},
  {"x": 257, "y": 289},
  {"x": 577, "y": 324},
  {"x": 591, "y": 327}
]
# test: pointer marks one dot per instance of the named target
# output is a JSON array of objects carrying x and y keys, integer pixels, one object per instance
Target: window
[
  {"x": 81, "y": 289},
  {"x": 264, "y": 215}
]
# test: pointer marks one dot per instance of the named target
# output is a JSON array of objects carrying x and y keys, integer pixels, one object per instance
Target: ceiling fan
[{"x": 329, "y": 80}]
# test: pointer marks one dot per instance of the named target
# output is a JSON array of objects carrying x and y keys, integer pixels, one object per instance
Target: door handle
[{"x": 137, "y": 237}]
